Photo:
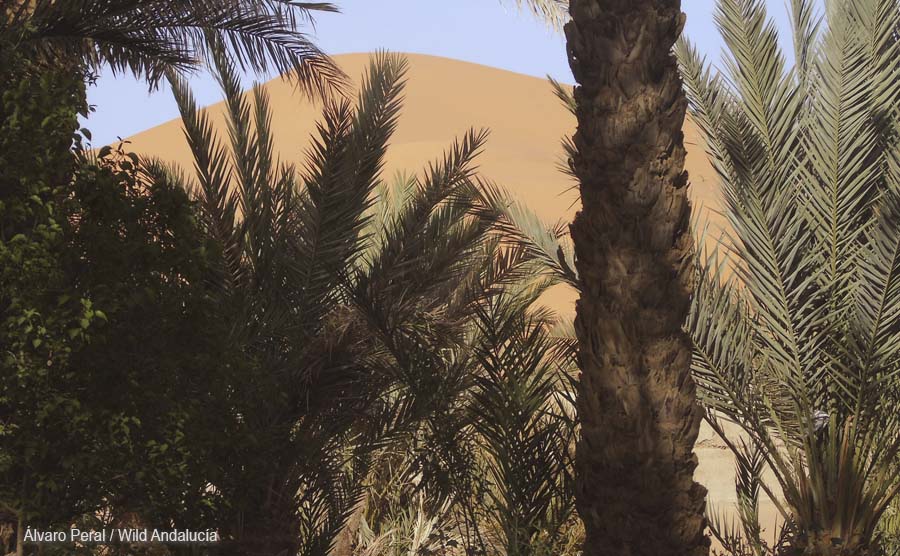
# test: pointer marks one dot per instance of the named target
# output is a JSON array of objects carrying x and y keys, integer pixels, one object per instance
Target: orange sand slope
[{"x": 443, "y": 99}]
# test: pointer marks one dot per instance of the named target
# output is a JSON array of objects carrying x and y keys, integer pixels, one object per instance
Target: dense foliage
[
  {"x": 317, "y": 360},
  {"x": 40, "y": 325},
  {"x": 312, "y": 318},
  {"x": 351, "y": 307}
]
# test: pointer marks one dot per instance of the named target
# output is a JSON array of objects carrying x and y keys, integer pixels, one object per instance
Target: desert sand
[{"x": 446, "y": 97}]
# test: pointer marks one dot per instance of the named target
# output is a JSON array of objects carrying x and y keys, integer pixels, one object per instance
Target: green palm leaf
[{"x": 342, "y": 171}]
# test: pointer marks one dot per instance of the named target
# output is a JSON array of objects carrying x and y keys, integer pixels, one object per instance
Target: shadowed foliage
[
  {"x": 107, "y": 352},
  {"x": 491, "y": 475}
]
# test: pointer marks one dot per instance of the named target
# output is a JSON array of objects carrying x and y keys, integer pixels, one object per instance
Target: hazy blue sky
[{"x": 484, "y": 31}]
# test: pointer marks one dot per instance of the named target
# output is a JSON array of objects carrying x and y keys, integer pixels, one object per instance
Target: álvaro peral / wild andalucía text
[{"x": 121, "y": 535}]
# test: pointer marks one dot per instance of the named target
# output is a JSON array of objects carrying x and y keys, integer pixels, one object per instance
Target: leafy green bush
[
  {"x": 41, "y": 319},
  {"x": 106, "y": 345}
]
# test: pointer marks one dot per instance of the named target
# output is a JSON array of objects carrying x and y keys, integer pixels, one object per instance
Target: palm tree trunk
[{"x": 636, "y": 403}]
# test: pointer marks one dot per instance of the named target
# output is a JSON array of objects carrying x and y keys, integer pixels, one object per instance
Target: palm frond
[
  {"x": 218, "y": 201},
  {"x": 747, "y": 135},
  {"x": 766, "y": 94},
  {"x": 153, "y": 169},
  {"x": 155, "y": 37},
  {"x": 875, "y": 327},
  {"x": 396, "y": 268},
  {"x": 388, "y": 199},
  {"x": 744, "y": 538},
  {"x": 876, "y": 22},
  {"x": 806, "y": 27},
  {"x": 721, "y": 326},
  {"x": 843, "y": 150},
  {"x": 526, "y": 444},
  {"x": 566, "y": 96},
  {"x": 356, "y": 304},
  {"x": 343, "y": 170}
]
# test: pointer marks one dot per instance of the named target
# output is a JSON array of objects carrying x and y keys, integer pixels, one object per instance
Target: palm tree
[
  {"x": 345, "y": 300},
  {"x": 151, "y": 37},
  {"x": 798, "y": 343},
  {"x": 636, "y": 401}
]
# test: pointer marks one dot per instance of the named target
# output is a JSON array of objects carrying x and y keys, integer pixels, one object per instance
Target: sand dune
[{"x": 446, "y": 97}]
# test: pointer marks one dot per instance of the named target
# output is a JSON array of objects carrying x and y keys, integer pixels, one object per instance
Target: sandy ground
[{"x": 446, "y": 97}]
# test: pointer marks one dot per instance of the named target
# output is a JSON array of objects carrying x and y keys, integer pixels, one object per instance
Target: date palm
[
  {"x": 345, "y": 298},
  {"x": 521, "y": 424},
  {"x": 799, "y": 343},
  {"x": 636, "y": 399}
]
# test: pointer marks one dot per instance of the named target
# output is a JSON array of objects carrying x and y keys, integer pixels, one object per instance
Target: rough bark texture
[{"x": 639, "y": 416}]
